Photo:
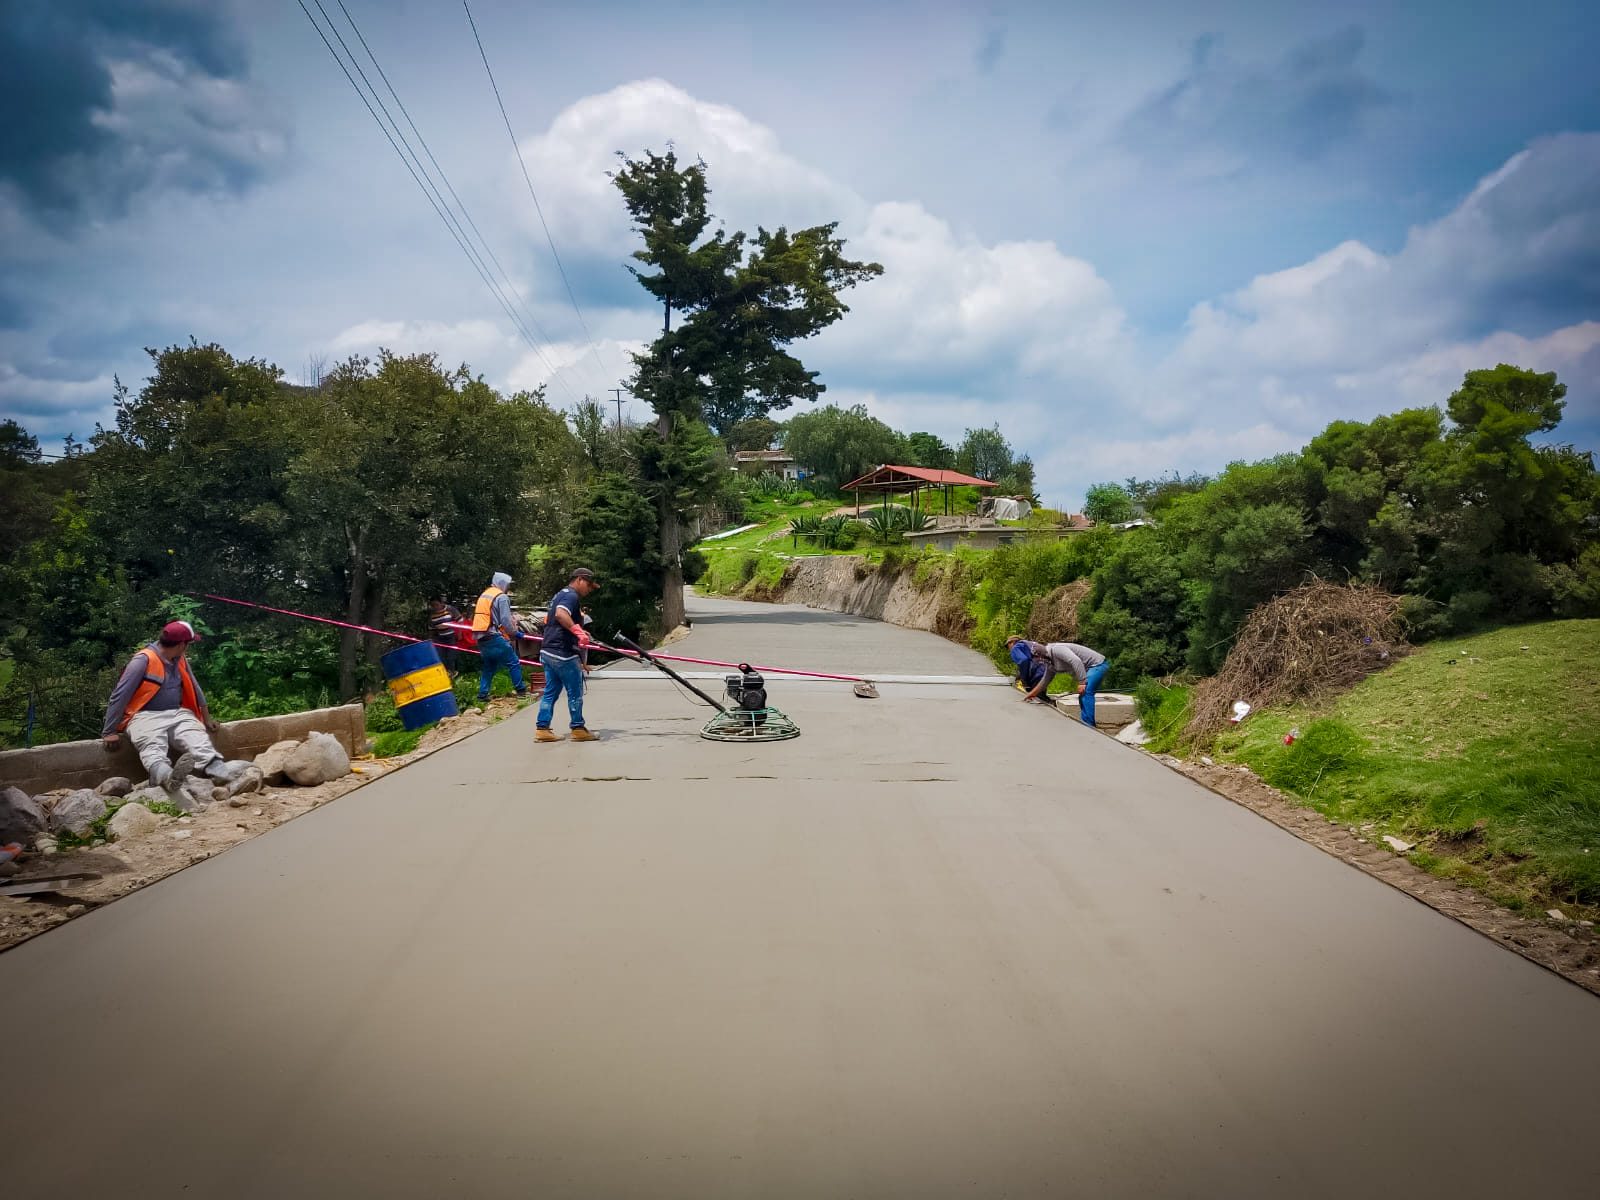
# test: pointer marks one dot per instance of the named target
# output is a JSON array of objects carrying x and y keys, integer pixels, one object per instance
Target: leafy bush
[
  {"x": 1327, "y": 746},
  {"x": 1014, "y": 576},
  {"x": 1163, "y": 710},
  {"x": 396, "y": 742},
  {"x": 694, "y": 565}
]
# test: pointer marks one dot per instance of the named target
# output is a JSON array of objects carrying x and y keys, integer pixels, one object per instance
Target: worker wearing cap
[
  {"x": 497, "y": 636},
  {"x": 565, "y": 641},
  {"x": 1087, "y": 666},
  {"x": 158, "y": 704}
]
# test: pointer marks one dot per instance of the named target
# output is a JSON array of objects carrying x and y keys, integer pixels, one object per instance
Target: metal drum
[{"x": 419, "y": 683}]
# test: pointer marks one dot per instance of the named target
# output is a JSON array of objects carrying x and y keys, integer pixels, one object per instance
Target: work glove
[
  {"x": 582, "y": 635},
  {"x": 111, "y": 742}
]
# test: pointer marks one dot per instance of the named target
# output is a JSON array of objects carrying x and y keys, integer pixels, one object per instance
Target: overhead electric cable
[
  {"x": 430, "y": 194},
  {"x": 528, "y": 179}
]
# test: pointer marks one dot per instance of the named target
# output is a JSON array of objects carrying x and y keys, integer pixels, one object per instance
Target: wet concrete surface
[{"x": 942, "y": 944}]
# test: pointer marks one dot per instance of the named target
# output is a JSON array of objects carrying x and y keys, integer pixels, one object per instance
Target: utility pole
[{"x": 617, "y": 392}]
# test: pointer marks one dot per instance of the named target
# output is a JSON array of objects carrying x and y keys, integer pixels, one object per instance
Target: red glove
[{"x": 582, "y": 635}]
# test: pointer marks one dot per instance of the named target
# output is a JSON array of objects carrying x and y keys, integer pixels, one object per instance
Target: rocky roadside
[
  {"x": 1569, "y": 948},
  {"x": 151, "y": 834}
]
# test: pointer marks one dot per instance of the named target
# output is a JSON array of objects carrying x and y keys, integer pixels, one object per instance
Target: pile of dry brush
[
  {"x": 1055, "y": 616},
  {"x": 1300, "y": 646}
]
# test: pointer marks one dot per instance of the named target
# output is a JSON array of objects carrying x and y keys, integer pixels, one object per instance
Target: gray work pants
[{"x": 158, "y": 736}]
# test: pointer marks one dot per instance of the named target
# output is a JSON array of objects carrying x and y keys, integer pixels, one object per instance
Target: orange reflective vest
[
  {"x": 482, "y": 619},
  {"x": 155, "y": 674}
]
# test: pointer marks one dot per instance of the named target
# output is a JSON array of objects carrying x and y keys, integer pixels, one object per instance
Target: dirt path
[{"x": 942, "y": 944}]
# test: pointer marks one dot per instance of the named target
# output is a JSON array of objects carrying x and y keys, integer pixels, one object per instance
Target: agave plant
[
  {"x": 802, "y": 527},
  {"x": 829, "y": 529},
  {"x": 884, "y": 524}
]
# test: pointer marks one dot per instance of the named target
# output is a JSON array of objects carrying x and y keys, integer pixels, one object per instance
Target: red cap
[{"x": 178, "y": 631}]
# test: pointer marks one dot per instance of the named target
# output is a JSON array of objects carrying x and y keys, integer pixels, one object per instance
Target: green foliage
[
  {"x": 1575, "y": 587},
  {"x": 1483, "y": 749},
  {"x": 1327, "y": 745},
  {"x": 1163, "y": 711},
  {"x": 694, "y": 565},
  {"x": 1107, "y": 504},
  {"x": 753, "y": 433},
  {"x": 926, "y": 450},
  {"x": 984, "y": 453},
  {"x": 614, "y": 534},
  {"x": 1140, "y": 610},
  {"x": 841, "y": 444},
  {"x": 393, "y": 743},
  {"x": 1014, "y": 576}
]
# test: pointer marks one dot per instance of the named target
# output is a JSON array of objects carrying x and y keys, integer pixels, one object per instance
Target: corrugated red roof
[{"x": 884, "y": 477}]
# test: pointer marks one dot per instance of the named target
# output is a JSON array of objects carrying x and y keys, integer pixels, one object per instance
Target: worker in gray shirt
[{"x": 1087, "y": 666}]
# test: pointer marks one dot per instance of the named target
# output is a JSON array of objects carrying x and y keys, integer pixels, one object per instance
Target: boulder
[
  {"x": 272, "y": 761},
  {"x": 132, "y": 820},
  {"x": 117, "y": 785},
  {"x": 21, "y": 817},
  {"x": 317, "y": 760},
  {"x": 148, "y": 796},
  {"x": 74, "y": 813}
]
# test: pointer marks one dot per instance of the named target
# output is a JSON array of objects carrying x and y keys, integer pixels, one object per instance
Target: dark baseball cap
[{"x": 585, "y": 573}]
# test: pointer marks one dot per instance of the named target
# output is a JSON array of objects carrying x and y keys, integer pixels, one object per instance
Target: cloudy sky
[{"x": 1143, "y": 238}]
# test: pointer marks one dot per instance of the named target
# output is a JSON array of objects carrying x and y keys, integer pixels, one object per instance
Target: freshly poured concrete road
[{"x": 944, "y": 944}]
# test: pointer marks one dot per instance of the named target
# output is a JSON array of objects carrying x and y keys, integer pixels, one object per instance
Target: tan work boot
[
  {"x": 580, "y": 734},
  {"x": 546, "y": 735}
]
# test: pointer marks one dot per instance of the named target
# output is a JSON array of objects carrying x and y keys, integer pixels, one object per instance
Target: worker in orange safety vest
[
  {"x": 159, "y": 706},
  {"x": 496, "y": 634}
]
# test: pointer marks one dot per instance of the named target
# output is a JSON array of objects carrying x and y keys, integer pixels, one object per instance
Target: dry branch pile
[
  {"x": 1055, "y": 616},
  {"x": 1304, "y": 644}
]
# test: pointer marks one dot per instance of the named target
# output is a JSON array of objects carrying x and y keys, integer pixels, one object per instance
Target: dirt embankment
[{"x": 935, "y": 603}]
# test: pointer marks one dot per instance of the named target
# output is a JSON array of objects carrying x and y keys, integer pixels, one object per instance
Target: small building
[
  {"x": 760, "y": 462},
  {"x": 891, "y": 480}
]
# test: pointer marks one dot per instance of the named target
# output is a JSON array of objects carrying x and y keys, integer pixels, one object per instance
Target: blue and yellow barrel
[{"x": 419, "y": 683}]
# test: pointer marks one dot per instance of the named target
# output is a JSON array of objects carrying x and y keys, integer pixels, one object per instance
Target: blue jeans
[
  {"x": 496, "y": 653},
  {"x": 561, "y": 674},
  {"x": 1091, "y": 682}
]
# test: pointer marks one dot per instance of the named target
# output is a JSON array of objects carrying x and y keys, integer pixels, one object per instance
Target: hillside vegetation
[{"x": 1482, "y": 750}]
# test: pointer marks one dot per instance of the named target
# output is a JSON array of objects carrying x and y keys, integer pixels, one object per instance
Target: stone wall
[{"x": 85, "y": 764}]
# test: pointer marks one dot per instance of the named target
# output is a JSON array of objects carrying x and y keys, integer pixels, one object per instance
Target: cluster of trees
[
  {"x": 1458, "y": 511},
  {"x": 841, "y": 444},
  {"x": 391, "y": 481}
]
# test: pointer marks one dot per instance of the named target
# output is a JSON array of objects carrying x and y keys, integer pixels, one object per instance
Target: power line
[
  {"x": 483, "y": 242},
  {"x": 528, "y": 179},
  {"x": 453, "y": 228}
]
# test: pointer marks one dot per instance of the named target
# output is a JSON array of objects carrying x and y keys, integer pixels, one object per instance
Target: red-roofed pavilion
[{"x": 896, "y": 480}]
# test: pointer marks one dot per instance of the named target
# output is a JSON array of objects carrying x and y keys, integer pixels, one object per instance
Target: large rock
[
  {"x": 21, "y": 817},
  {"x": 272, "y": 761},
  {"x": 117, "y": 785},
  {"x": 74, "y": 813},
  {"x": 318, "y": 759},
  {"x": 133, "y": 820}
]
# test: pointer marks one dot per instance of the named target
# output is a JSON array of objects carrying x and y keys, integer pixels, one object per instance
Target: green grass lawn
[{"x": 1485, "y": 751}]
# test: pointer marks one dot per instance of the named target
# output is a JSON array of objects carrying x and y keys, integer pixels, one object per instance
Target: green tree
[
  {"x": 614, "y": 535},
  {"x": 929, "y": 450},
  {"x": 841, "y": 444},
  {"x": 602, "y": 442},
  {"x": 18, "y": 447},
  {"x": 984, "y": 453},
  {"x": 754, "y": 433},
  {"x": 741, "y": 301},
  {"x": 1107, "y": 504}
]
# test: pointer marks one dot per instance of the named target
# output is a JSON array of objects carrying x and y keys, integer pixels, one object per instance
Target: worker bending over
[
  {"x": 158, "y": 703},
  {"x": 566, "y": 643},
  {"x": 497, "y": 636},
  {"x": 1087, "y": 666}
]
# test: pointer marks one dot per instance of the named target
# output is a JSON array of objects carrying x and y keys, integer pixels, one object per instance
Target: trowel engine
[{"x": 748, "y": 692}]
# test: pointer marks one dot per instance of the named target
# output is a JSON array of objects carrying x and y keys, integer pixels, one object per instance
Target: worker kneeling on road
[
  {"x": 496, "y": 634},
  {"x": 565, "y": 644},
  {"x": 1087, "y": 666},
  {"x": 159, "y": 704}
]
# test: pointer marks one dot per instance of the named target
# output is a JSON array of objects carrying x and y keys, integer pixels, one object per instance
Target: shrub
[
  {"x": 1163, "y": 711},
  {"x": 1327, "y": 746},
  {"x": 694, "y": 565}
]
